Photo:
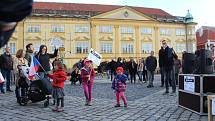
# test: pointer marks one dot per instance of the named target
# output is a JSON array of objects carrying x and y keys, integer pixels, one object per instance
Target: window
[
  {"x": 81, "y": 28},
  {"x": 126, "y": 30},
  {"x": 106, "y": 29},
  {"x": 57, "y": 28},
  {"x": 12, "y": 48},
  {"x": 180, "y": 32},
  {"x": 106, "y": 47},
  {"x": 191, "y": 31},
  {"x": 180, "y": 47},
  {"x": 127, "y": 48},
  {"x": 146, "y": 31},
  {"x": 82, "y": 47},
  {"x": 164, "y": 31},
  {"x": 147, "y": 47},
  {"x": 33, "y": 28}
]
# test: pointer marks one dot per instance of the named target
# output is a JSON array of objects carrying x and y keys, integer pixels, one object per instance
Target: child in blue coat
[{"x": 119, "y": 85}]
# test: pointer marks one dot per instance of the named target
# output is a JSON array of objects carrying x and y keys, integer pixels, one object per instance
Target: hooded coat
[{"x": 44, "y": 59}]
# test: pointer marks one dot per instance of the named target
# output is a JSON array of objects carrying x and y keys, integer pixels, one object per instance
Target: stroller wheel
[
  {"x": 46, "y": 104},
  {"x": 23, "y": 101}
]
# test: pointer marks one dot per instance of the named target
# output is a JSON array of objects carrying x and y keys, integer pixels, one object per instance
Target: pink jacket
[{"x": 85, "y": 74}]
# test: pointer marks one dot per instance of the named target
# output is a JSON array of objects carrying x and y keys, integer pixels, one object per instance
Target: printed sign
[
  {"x": 95, "y": 57},
  {"x": 1, "y": 78},
  {"x": 213, "y": 106},
  {"x": 189, "y": 83}
]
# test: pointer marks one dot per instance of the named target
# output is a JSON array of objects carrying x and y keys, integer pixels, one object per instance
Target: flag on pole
[
  {"x": 35, "y": 64},
  {"x": 1, "y": 78}
]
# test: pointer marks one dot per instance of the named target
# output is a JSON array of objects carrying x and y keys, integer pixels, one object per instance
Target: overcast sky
[{"x": 202, "y": 10}]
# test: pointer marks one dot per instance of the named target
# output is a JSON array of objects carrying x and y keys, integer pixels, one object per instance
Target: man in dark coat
[
  {"x": 161, "y": 65},
  {"x": 11, "y": 12},
  {"x": 6, "y": 61},
  {"x": 151, "y": 65},
  {"x": 112, "y": 65},
  {"x": 132, "y": 67},
  {"x": 168, "y": 63}
]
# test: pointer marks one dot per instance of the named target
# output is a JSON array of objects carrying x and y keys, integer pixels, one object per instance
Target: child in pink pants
[
  {"x": 119, "y": 85},
  {"x": 87, "y": 75}
]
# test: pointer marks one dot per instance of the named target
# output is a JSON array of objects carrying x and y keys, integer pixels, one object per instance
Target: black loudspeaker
[
  {"x": 204, "y": 62},
  {"x": 188, "y": 63}
]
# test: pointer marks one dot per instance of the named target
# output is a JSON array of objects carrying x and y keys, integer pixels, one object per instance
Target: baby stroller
[{"x": 38, "y": 90}]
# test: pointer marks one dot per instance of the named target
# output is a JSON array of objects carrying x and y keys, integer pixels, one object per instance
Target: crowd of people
[{"x": 118, "y": 71}]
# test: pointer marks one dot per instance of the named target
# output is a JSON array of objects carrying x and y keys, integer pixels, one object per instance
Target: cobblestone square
[{"x": 144, "y": 104}]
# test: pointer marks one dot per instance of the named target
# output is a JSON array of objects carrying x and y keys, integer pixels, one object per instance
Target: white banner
[
  {"x": 213, "y": 106},
  {"x": 1, "y": 78},
  {"x": 189, "y": 83},
  {"x": 95, "y": 57}
]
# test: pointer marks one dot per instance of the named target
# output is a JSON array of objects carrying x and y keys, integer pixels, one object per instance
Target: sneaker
[
  {"x": 117, "y": 105},
  {"x": 86, "y": 103},
  {"x": 125, "y": 105},
  {"x": 60, "y": 109},
  {"x": 55, "y": 109},
  {"x": 149, "y": 86},
  {"x": 89, "y": 104},
  {"x": 166, "y": 92},
  {"x": 9, "y": 90}
]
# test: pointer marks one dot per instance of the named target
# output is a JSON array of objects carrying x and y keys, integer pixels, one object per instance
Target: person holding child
[
  {"x": 87, "y": 75},
  {"x": 119, "y": 85},
  {"x": 59, "y": 76}
]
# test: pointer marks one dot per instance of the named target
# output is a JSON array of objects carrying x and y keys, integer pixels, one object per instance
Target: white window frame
[
  {"x": 106, "y": 47},
  {"x": 165, "y": 31},
  {"x": 180, "y": 47},
  {"x": 106, "y": 29},
  {"x": 82, "y": 28},
  {"x": 147, "y": 47},
  {"x": 33, "y": 28},
  {"x": 126, "y": 30},
  {"x": 58, "y": 28},
  {"x": 84, "y": 47},
  {"x": 12, "y": 46},
  {"x": 128, "y": 48},
  {"x": 180, "y": 32},
  {"x": 146, "y": 30}
]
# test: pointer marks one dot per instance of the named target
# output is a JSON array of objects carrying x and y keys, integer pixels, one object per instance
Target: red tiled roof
[{"x": 94, "y": 7}]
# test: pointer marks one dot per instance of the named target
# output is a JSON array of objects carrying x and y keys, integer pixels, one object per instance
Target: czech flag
[{"x": 35, "y": 64}]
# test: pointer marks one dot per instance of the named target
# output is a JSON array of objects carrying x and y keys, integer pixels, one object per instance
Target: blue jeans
[
  {"x": 6, "y": 74},
  {"x": 169, "y": 79},
  {"x": 150, "y": 77}
]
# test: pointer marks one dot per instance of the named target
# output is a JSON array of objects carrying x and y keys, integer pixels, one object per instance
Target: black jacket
[
  {"x": 6, "y": 62},
  {"x": 113, "y": 65},
  {"x": 151, "y": 63},
  {"x": 161, "y": 55},
  {"x": 132, "y": 69},
  {"x": 44, "y": 60},
  {"x": 168, "y": 56},
  {"x": 14, "y": 10}
]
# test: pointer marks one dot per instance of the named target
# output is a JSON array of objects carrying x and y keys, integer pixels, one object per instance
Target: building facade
[{"x": 113, "y": 31}]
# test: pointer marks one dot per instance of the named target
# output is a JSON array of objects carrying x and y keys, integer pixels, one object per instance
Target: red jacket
[
  {"x": 58, "y": 77},
  {"x": 85, "y": 73}
]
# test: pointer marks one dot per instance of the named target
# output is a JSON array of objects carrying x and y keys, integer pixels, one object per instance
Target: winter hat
[
  {"x": 120, "y": 69},
  {"x": 87, "y": 61}
]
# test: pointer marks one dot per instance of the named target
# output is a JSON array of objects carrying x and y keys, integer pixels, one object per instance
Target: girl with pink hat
[{"x": 87, "y": 75}]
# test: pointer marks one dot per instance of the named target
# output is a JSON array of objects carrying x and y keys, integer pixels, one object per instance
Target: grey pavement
[{"x": 144, "y": 104}]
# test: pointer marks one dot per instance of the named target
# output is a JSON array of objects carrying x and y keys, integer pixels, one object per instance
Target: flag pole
[{"x": 41, "y": 65}]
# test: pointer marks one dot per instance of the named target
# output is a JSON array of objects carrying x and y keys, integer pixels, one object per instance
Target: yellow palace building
[{"x": 113, "y": 31}]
